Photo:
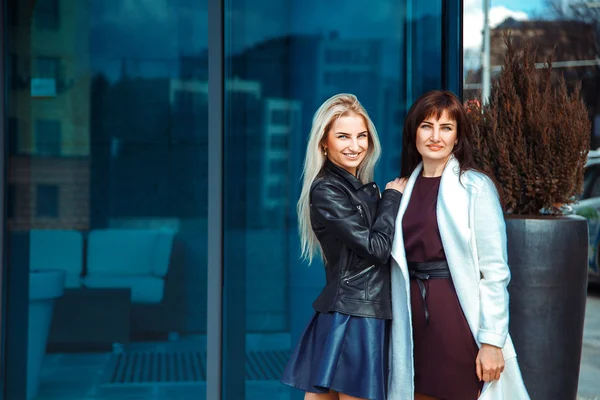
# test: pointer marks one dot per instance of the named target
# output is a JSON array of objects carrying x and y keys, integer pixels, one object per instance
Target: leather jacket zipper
[
  {"x": 361, "y": 273},
  {"x": 360, "y": 211},
  {"x": 364, "y": 213}
]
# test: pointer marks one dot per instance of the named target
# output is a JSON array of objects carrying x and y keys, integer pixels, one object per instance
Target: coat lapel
[
  {"x": 453, "y": 224},
  {"x": 401, "y": 354},
  {"x": 453, "y": 211}
]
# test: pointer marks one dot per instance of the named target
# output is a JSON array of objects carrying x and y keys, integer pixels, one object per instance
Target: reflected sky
[
  {"x": 520, "y": 5},
  {"x": 499, "y": 11}
]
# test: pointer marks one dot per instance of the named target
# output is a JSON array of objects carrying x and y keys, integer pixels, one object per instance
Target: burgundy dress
[{"x": 444, "y": 348}]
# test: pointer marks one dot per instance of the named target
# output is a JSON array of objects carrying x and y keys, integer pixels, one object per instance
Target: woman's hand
[
  {"x": 489, "y": 363},
  {"x": 397, "y": 184}
]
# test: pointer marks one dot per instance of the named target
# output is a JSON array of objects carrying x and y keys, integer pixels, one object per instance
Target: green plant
[{"x": 533, "y": 136}]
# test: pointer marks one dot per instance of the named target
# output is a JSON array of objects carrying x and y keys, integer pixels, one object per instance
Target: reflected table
[{"x": 90, "y": 320}]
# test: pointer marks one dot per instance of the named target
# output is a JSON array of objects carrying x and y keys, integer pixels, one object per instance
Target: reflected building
[
  {"x": 49, "y": 121},
  {"x": 312, "y": 68},
  {"x": 109, "y": 145},
  {"x": 358, "y": 66},
  {"x": 132, "y": 152},
  {"x": 282, "y": 120},
  {"x": 565, "y": 40}
]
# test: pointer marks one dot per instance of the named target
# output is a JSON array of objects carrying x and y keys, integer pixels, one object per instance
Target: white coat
[{"x": 473, "y": 233}]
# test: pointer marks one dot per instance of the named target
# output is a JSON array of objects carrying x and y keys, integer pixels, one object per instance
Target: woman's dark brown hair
[{"x": 433, "y": 104}]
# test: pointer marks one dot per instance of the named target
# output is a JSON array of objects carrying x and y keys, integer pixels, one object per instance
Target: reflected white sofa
[
  {"x": 137, "y": 259},
  {"x": 116, "y": 258},
  {"x": 57, "y": 250}
]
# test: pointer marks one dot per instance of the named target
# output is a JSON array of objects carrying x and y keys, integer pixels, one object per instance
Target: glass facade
[
  {"x": 111, "y": 272},
  {"x": 283, "y": 60},
  {"x": 107, "y": 175}
]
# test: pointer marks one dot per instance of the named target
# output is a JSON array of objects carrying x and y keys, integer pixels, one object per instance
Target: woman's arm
[
  {"x": 490, "y": 236},
  {"x": 336, "y": 211}
]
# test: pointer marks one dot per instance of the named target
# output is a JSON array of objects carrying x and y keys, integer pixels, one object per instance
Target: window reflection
[
  {"x": 107, "y": 175},
  {"x": 567, "y": 30},
  {"x": 283, "y": 60}
]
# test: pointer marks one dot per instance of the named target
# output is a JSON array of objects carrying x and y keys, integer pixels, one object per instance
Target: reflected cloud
[{"x": 473, "y": 21}]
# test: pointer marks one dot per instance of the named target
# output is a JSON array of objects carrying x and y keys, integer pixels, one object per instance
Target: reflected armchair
[{"x": 137, "y": 259}]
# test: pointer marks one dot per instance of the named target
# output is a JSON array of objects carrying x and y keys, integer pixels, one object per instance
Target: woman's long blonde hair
[{"x": 335, "y": 107}]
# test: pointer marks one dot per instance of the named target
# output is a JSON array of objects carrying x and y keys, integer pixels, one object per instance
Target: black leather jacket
[{"x": 355, "y": 228}]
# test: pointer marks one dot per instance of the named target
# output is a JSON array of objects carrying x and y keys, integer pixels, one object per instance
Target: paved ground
[{"x": 589, "y": 377}]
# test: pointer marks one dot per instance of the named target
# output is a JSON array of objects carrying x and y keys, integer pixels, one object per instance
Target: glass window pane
[
  {"x": 107, "y": 177},
  {"x": 47, "y": 201},
  {"x": 283, "y": 59},
  {"x": 48, "y": 137},
  {"x": 47, "y": 14},
  {"x": 11, "y": 202}
]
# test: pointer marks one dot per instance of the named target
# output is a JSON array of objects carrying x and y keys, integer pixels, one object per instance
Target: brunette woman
[{"x": 450, "y": 266}]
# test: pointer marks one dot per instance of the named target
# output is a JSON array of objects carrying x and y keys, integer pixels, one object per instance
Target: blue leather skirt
[{"x": 342, "y": 353}]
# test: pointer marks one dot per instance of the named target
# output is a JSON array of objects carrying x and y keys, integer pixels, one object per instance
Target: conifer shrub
[{"x": 533, "y": 135}]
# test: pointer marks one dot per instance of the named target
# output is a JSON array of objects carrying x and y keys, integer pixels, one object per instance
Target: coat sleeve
[
  {"x": 490, "y": 236},
  {"x": 336, "y": 211}
]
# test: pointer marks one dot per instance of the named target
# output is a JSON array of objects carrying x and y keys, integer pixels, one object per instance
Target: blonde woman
[{"x": 342, "y": 353}]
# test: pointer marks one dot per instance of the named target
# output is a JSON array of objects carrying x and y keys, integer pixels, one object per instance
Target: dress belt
[{"x": 421, "y": 271}]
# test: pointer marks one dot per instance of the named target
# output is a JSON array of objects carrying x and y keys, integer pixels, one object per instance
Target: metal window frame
[
  {"x": 452, "y": 46},
  {"x": 3, "y": 158},
  {"x": 216, "y": 89}
]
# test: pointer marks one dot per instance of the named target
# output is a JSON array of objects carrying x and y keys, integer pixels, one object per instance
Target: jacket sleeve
[
  {"x": 490, "y": 236},
  {"x": 336, "y": 211}
]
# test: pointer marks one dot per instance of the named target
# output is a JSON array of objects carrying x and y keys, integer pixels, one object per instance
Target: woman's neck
[{"x": 434, "y": 168}]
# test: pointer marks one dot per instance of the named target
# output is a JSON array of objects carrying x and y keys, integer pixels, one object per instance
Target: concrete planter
[
  {"x": 548, "y": 291},
  {"x": 44, "y": 287}
]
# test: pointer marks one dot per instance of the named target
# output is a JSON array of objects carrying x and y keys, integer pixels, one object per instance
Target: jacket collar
[{"x": 332, "y": 168}]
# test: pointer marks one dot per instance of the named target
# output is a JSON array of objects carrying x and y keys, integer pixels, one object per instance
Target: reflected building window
[
  {"x": 13, "y": 136},
  {"x": 13, "y": 14},
  {"x": 48, "y": 137},
  {"x": 46, "y": 14},
  {"x": 13, "y": 71},
  {"x": 46, "y": 201},
  {"x": 279, "y": 166},
  {"x": 329, "y": 56},
  {"x": 11, "y": 201},
  {"x": 277, "y": 193},
  {"x": 279, "y": 142},
  {"x": 280, "y": 117},
  {"x": 47, "y": 67}
]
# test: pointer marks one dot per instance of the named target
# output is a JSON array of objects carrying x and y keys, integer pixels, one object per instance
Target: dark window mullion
[
  {"x": 214, "y": 357},
  {"x": 452, "y": 48}
]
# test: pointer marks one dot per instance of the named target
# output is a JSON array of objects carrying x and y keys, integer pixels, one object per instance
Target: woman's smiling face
[
  {"x": 436, "y": 138},
  {"x": 347, "y": 142}
]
